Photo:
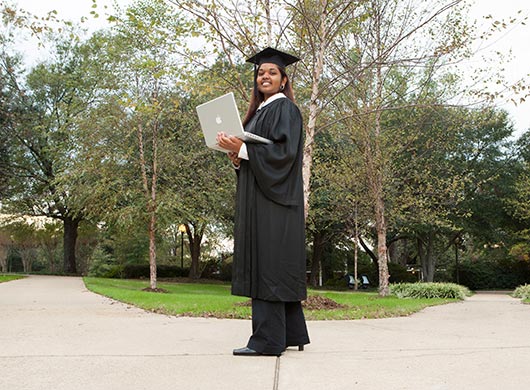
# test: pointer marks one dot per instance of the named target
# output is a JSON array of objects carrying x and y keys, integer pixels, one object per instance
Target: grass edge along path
[
  {"x": 215, "y": 300},
  {"x": 8, "y": 278}
]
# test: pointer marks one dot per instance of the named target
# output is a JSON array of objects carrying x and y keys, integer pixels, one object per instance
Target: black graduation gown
[{"x": 269, "y": 247}]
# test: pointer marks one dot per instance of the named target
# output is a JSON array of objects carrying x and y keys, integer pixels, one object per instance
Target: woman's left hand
[
  {"x": 236, "y": 161},
  {"x": 229, "y": 142}
]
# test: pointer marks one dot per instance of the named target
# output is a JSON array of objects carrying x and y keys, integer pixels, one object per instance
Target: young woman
[{"x": 269, "y": 250}]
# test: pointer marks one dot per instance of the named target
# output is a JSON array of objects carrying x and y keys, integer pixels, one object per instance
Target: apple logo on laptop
[{"x": 218, "y": 120}]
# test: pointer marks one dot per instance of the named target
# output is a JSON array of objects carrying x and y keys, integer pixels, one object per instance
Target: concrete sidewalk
[{"x": 54, "y": 334}]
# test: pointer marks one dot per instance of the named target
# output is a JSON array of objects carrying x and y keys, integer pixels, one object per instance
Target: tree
[
  {"x": 382, "y": 61},
  {"x": 135, "y": 116},
  {"x": 315, "y": 27},
  {"x": 339, "y": 212},
  {"x": 41, "y": 131},
  {"x": 160, "y": 174},
  {"x": 198, "y": 181},
  {"x": 24, "y": 237},
  {"x": 48, "y": 238},
  {"x": 427, "y": 189}
]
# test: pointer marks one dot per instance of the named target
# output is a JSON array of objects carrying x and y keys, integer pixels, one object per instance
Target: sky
[{"x": 515, "y": 39}]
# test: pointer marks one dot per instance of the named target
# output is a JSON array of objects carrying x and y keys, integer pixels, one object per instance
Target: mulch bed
[
  {"x": 155, "y": 290},
  {"x": 313, "y": 302},
  {"x": 319, "y": 302}
]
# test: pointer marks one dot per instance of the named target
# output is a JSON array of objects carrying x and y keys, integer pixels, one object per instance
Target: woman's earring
[{"x": 282, "y": 87}]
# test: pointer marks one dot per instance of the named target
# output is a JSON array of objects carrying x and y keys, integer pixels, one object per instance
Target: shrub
[
  {"x": 103, "y": 264},
  {"x": 218, "y": 270},
  {"x": 226, "y": 272},
  {"x": 114, "y": 272},
  {"x": 399, "y": 274},
  {"x": 429, "y": 290},
  {"x": 505, "y": 273},
  {"x": 522, "y": 292},
  {"x": 211, "y": 270},
  {"x": 336, "y": 283}
]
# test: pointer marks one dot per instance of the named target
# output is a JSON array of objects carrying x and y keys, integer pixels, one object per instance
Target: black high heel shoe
[
  {"x": 245, "y": 351},
  {"x": 301, "y": 347}
]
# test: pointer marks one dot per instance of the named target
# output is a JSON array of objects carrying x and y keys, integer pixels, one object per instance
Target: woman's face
[{"x": 269, "y": 79}]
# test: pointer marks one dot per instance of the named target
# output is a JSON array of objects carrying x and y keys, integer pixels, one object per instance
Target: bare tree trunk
[
  {"x": 356, "y": 251},
  {"x": 392, "y": 252},
  {"x": 152, "y": 225},
  {"x": 195, "y": 249},
  {"x": 375, "y": 171},
  {"x": 313, "y": 106},
  {"x": 382, "y": 259},
  {"x": 3, "y": 258},
  {"x": 71, "y": 226},
  {"x": 426, "y": 255},
  {"x": 152, "y": 251},
  {"x": 267, "y": 6},
  {"x": 316, "y": 260},
  {"x": 378, "y": 169},
  {"x": 195, "y": 240},
  {"x": 151, "y": 199},
  {"x": 50, "y": 250},
  {"x": 27, "y": 255}
]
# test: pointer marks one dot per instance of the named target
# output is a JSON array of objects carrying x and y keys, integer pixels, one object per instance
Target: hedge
[
  {"x": 485, "y": 275},
  {"x": 429, "y": 290},
  {"x": 522, "y": 292}
]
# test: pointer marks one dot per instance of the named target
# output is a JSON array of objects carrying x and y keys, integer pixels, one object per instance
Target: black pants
[{"x": 276, "y": 326}]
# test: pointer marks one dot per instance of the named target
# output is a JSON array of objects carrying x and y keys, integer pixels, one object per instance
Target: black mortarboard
[{"x": 273, "y": 56}]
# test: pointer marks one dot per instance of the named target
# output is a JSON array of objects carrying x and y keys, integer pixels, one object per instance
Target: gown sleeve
[{"x": 272, "y": 164}]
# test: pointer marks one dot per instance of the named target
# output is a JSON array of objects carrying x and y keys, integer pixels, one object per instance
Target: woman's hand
[
  {"x": 228, "y": 142},
  {"x": 236, "y": 161}
]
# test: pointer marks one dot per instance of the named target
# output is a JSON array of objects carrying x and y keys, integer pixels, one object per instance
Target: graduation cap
[{"x": 273, "y": 56}]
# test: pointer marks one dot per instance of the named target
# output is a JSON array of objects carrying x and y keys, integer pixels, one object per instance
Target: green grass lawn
[
  {"x": 7, "y": 278},
  {"x": 214, "y": 300}
]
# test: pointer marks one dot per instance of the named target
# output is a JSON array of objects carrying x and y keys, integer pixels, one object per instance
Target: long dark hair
[{"x": 257, "y": 97}]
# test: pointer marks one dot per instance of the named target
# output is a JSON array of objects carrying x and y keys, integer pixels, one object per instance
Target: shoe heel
[{"x": 300, "y": 347}]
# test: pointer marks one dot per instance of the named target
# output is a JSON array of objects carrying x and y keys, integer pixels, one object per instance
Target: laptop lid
[{"x": 221, "y": 114}]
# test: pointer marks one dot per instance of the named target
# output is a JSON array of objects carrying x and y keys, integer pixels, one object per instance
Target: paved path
[{"x": 54, "y": 334}]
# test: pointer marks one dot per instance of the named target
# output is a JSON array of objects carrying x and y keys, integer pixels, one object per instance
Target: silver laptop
[{"x": 221, "y": 114}]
